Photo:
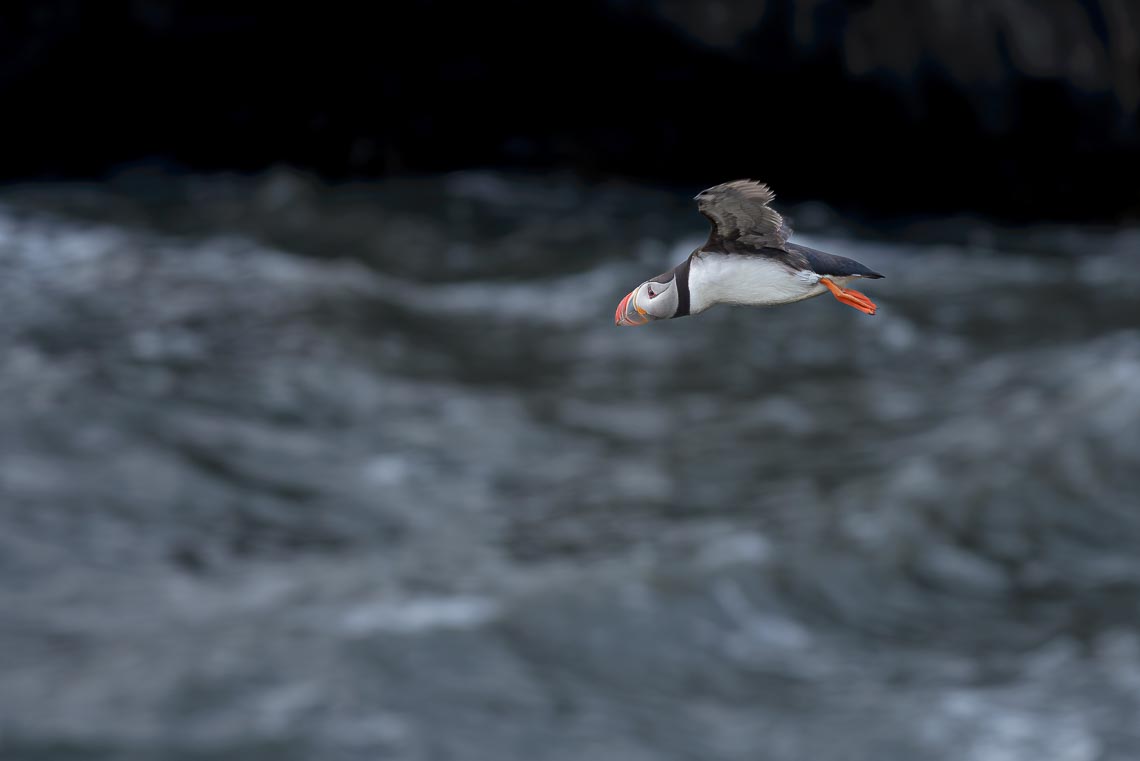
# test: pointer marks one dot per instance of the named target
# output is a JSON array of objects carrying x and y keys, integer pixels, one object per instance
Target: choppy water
[{"x": 292, "y": 472}]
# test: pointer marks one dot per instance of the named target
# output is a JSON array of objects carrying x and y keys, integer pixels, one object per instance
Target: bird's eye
[{"x": 651, "y": 293}]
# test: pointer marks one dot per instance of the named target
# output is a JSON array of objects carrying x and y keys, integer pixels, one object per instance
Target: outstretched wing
[{"x": 741, "y": 217}]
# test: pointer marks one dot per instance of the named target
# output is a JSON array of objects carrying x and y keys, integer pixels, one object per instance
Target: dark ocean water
[{"x": 298, "y": 472}]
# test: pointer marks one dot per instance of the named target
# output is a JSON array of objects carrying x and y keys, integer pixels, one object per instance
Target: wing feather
[{"x": 742, "y": 220}]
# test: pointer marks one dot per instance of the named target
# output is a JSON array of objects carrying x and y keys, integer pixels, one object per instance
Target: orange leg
[{"x": 850, "y": 297}]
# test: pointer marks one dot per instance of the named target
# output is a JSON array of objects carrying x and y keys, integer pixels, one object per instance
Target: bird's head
[{"x": 655, "y": 299}]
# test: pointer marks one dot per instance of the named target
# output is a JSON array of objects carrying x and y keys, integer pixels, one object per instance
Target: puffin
[{"x": 747, "y": 260}]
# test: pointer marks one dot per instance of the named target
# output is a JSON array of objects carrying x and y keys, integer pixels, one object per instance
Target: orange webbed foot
[{"x": 850, "y": 297}]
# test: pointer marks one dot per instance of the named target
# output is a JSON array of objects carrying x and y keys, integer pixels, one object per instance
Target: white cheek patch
[{"x": 663, "y": 304}]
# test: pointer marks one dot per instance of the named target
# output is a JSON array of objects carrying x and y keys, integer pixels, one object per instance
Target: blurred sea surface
[{"x": 298, "y": 471}]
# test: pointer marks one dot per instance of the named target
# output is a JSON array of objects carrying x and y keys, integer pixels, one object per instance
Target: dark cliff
[{"x": 1020, "y": 109}]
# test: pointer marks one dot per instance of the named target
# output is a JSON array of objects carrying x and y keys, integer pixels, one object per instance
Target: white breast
[{"x": 748, "y": 280}]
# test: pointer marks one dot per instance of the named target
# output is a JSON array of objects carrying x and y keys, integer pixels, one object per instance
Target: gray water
[{"x": 290, "y": 471}]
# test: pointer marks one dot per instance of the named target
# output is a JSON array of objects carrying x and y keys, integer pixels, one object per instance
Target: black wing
[
  {"x": 823, "y": 263},
  {"x": 742, "y": 220}
]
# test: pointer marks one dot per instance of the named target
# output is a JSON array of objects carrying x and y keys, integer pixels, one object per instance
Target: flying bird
[{"x": 747, "y": 260}]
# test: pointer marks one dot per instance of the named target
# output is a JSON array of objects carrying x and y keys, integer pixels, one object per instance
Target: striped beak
[{"x": 628, "y": 313}]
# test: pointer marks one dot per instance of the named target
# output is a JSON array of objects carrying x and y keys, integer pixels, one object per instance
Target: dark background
[{"x": 1024, "y": 110}]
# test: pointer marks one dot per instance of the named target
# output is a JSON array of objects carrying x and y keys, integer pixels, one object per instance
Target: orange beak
[{"x": 628, "y": 313}]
